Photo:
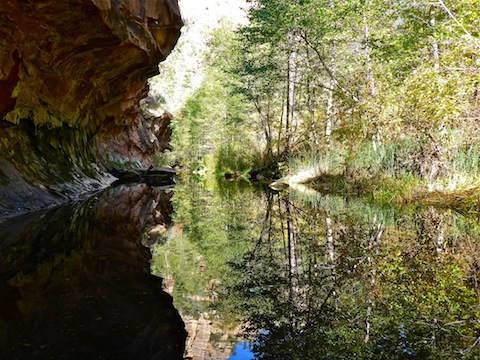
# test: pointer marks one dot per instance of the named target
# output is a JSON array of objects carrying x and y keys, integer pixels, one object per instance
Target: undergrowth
[{"x": 410, "y": 172}]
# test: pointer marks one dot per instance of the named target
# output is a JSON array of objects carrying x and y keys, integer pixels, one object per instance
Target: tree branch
[
  {"x": 327, "y": 69},
  {"x": 470, "y": 36}
]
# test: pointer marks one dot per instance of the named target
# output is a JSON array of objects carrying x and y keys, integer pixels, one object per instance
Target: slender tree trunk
[
  {"x": 373, "y": 245},
  {"x": 329, "y": 114},
  {"x": 436, "y": 55},
  {"x": 368, "y": 57},
  {"x": 441, "y": 241},
  {"x": 290, "y": 99},
  {"x": 269, "y": 127},
  {"x": 433, "y": 336},
  {"x": 266, "y": 224},
  {"x": 280, "y": 128},
  {"x": 312, "y": 269},
  {"x": 476, "y": 95},
  {"x": 376, "y": 138},
  {"x": 292, "y": 264},
  {"x": 264, "y": 121},
  {"x": 313, "y": 130},
  {"x": 311, "y": 107},
  {"x": 331, "y": 254}
]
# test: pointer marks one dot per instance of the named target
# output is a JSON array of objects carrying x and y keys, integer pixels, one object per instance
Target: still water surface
[
  {"x": 75, "y": 281},
  {"x": 295, "y": 274}
]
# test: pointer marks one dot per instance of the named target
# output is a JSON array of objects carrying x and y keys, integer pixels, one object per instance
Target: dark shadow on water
[{"x": 75, "y": 282}]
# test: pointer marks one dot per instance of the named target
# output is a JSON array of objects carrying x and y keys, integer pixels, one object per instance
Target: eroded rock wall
[
  {"x": 136, "y": 146},
  {"x": 71, "y": 71}
]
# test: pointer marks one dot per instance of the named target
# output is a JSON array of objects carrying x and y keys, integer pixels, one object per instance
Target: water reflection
[
  {"x": 319, "y": 277},
  {"x": 75, "y": 282},
  {"x": 297, "y": 275},
  {"x": 242, "y": 351}
]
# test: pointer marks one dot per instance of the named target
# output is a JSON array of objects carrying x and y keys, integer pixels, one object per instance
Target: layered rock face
[
  {"x": 135, "y": 146},
  {"x": 70, "y": 72}
]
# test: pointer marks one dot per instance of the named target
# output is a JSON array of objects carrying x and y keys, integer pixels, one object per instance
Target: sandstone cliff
[{"x": 71, "y": 76}]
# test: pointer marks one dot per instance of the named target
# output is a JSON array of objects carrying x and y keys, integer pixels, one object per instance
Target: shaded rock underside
[{"x": 71, "y": 76}]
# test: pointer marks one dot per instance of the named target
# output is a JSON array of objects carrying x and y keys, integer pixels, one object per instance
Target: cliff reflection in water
[
  {"x": 321, "y": 277},
  {"x": 75, "y": 282},
  {"x": 297, "y": 275}
]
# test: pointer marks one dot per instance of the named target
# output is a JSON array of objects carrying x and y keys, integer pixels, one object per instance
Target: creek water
[{"x": 254, "y": 274}]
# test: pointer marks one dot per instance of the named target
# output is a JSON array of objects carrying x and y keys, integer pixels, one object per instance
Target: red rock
[
  {"x": 70, "y": 71},
  {"x": 78, "y": 62}
]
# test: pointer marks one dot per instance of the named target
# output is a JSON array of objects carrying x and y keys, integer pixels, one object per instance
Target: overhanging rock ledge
[{"x": 72, "y": 72}]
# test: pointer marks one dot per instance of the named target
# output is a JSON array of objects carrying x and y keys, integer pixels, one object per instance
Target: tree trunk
[
  {"x": 290, "y": 98},
  {"x": 436, "y": 55},
  {"x": 376, "y": 137},
  {"x": 368, "y": 58},
  {"x": 329, "y": 114},
  {"x": 292, "y": 265},
  {"x": 311, "y": 108},
  {"x": 264, "y": 123},
  {"x": 373, "y": 245},
  {"x": 331, "y": 254}
]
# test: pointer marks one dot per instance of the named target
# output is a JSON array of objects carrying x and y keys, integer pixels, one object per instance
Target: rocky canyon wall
[{"x": 72, "y": 73}]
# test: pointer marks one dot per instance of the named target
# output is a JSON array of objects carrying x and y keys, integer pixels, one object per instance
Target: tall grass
[
  {"x": 332, "y": 162},
  {"x": 391, "y": 159},
  {"x": 236, "y": 158},
  {"x": 449, "y": 157},
  {"x": 411, "y": 170}
]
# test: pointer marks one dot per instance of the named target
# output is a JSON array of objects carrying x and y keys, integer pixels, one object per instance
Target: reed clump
[{"x": 406, "y": 173}]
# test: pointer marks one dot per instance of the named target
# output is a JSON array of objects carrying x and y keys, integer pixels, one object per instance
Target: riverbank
[{"x": 401, "y": 192}]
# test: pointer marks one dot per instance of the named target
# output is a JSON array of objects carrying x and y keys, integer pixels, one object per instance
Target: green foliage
[
  {"x": 165, "y": 159},
  {"x": 231, "y": 158},
  {"x": 215, "y": 124},
  {"x": 319, "y": 307},
  {"x": 211, "y": 230},
  {"x": 312, "y": 77},
  {"x": 297, "y": 269},
  {"x": 405, "y": 173},
  {"x": 385, "y": 70},
  {"x": 381, "y": 90}
]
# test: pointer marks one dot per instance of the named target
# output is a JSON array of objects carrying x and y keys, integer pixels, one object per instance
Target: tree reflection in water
[{"x": 319, "y": 277}]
